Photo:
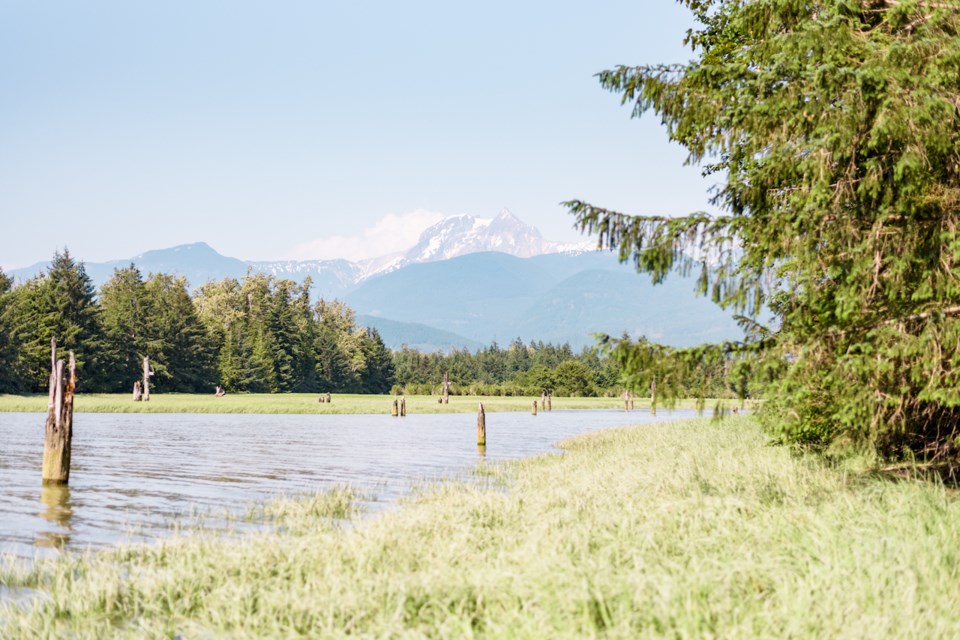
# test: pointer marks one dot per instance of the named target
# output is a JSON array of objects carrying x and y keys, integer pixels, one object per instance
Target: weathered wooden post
[
  {"x": 146, "y": 378},
  {"x": 481, "y": 427},
  {"x": 543, "y": 401},
  {"x": 329, "y": 398},
  {"x": 534, "y": 407},
  {"x": 446, "y": 388},
  {"x": 403, "y": 406},
  {"x": 322, "y": 399},
  {"x": 549, "y": 402},
  {"x": 137, "y": 394},
  {"x": 653, "y": 397},
  {"x": 58, "y": 431},
  {"x": 395, "y": 408},
  {"x": 626, "y": 401}
]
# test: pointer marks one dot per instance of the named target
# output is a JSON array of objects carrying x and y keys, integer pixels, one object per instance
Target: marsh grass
[
  {"x": 299, "y": 403},
  {"x": 685, "y": 530}
]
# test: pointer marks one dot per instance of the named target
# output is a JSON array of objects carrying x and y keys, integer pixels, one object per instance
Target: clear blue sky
[{"x": 266, "y": 128}]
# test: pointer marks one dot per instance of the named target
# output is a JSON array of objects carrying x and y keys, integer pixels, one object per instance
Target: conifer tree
[
  {"x": 58, "y": 304},
  {"x": 834, "y": 131},
  {"x": 9, "y": 382}
]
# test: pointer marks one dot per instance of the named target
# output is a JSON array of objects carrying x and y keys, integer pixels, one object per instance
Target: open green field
[
  {"x": 267, "y": 403},
  {"x": 683, "y": 530}
]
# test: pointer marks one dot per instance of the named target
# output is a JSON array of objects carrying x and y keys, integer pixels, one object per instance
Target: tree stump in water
[
  {"x": 137, "y": 393},
  {"x": 58, "y": 431},
  {"x": 395, "y": 409},
  {"x": 534, "y": 407},
  {"x": 549, "y": 402},
  {"x": 329, "y": 397},
  {"x": 403, "y": 406},
  {"x": 481, "y": 427}
]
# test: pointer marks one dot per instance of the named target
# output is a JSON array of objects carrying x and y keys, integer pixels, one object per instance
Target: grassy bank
[
  {"x": 287, "y": 403},
  {"x": 687, "y": 530}
]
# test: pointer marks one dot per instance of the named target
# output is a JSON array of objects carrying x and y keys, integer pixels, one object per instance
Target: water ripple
[{"x": 134, "y": 474}]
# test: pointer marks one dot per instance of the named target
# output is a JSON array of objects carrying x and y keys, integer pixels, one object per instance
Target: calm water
[{"x": 133, "y": 474}]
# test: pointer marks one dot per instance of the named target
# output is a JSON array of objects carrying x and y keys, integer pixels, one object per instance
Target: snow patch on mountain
[{"x": 461, "y": 235}]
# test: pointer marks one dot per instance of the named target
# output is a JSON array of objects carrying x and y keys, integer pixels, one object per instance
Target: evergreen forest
[{"x": 261, "y": 334}]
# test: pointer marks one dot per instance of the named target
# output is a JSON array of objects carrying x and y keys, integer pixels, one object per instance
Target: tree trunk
[
  {"x": 481, "y": 427},
  {"x": 653, "y": 397},
  {"x": 58, "y": 431},
  {"x": 446, "y": 388},
  {"x": 146, "y": 378},
  {"x": 137, "y": 393}
]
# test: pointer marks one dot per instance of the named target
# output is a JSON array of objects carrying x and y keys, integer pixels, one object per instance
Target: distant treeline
[{"x": 260, "y": 334}]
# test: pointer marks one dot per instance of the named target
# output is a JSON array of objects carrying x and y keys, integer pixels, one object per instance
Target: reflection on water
[
  {"x": 58, "y": 511},
  {"x": 135, "y": 476}
]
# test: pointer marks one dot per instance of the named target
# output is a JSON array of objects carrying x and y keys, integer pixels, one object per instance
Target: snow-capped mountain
[
  {"x": 450, "y": 238},
  {"x": 499, "y": 280},
  {"x": 334, "y": 276},
  {"x": 462, "y": 235}
]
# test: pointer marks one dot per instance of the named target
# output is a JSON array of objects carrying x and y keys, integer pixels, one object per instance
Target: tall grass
[
  {"x": 292, "y": 403},
  {"x": 691, "y": 530}
]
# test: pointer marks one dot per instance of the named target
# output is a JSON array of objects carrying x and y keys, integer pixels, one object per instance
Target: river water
[{"x": 132, "y": 475}]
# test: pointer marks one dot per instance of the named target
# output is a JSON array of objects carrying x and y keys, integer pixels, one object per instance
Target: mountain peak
[
  {"x": 192, "y": 248},
  {"x": 459, "y": 235}
]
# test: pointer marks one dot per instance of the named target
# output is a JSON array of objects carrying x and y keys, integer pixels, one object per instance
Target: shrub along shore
[{"x": 689, "y": 529}]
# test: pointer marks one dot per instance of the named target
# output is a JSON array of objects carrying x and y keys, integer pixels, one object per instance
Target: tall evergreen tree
[
  {"x": 125, "y": 310},
  {"x": 9, "y": 382},
  {"x": 58, "y": 304},
  {"x": 834, "y": 130},
  {"x": 180, "y": 349},
  {"x": 378, "y": 374}
]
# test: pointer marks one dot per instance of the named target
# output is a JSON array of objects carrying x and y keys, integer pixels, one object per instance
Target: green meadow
[
  {"x": 287, "y": 403},
  {"x": 681, "y": 530}
]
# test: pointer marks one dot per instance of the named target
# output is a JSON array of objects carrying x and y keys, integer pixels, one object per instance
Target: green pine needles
[{"x": 835, "y": 129}]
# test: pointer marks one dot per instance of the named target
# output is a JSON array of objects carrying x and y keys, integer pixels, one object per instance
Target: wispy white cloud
[{"x": 391, "y": 234}]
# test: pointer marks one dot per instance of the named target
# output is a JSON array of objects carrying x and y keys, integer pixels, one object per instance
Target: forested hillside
[{"x": 257, "y": 334}]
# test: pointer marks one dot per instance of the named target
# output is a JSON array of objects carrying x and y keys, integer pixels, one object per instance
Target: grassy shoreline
[
  {"x": 301, "y": 403},
  {"x": 680, "y": 530}
]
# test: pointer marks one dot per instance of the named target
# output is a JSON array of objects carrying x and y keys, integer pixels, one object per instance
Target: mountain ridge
[{"x": 463, "y": 284}]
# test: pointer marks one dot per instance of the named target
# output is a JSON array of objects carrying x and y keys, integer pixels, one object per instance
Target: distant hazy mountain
[
  {"x": 462, "y": 235},
  {"x": 397, "y": 335},
  {"x": 451, "y": 237},
  {"x": 558, "y": 298},
  {"x": 198, "y": 262},
  {"x": 331, "y": 278},
  {"x": 468, "y": 282}
]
